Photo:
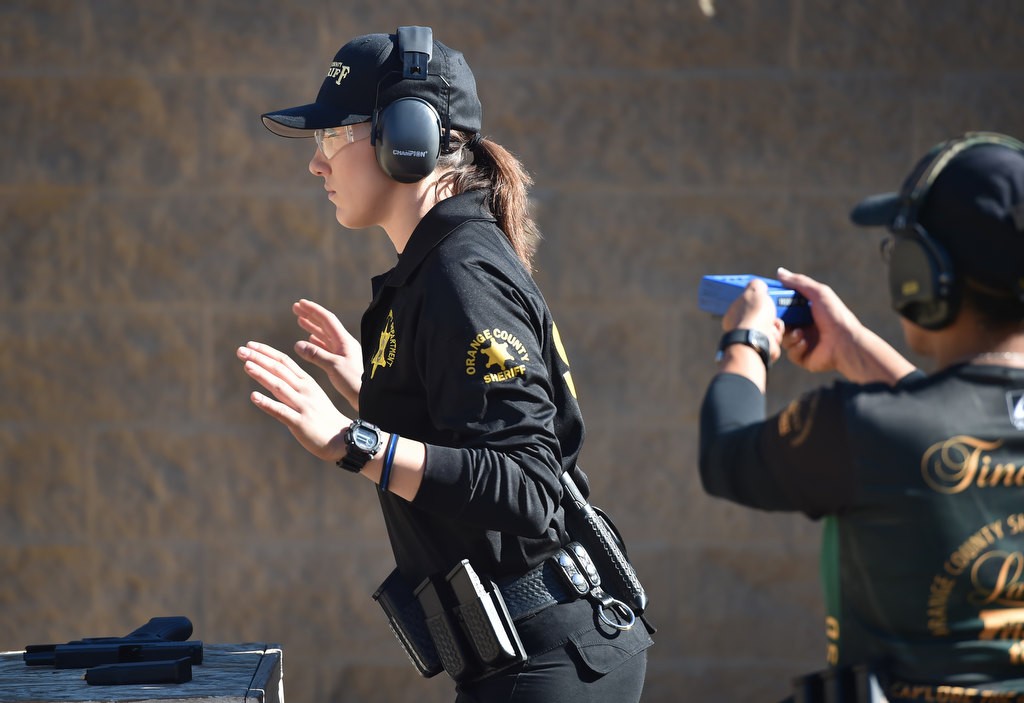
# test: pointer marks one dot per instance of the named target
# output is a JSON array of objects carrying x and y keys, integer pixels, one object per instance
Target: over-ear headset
[
  {"x": 923, "y": 283},
  {"x": 408, "y": 133}
]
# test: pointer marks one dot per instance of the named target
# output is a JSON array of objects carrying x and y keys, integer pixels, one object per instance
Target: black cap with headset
[
  {"x": 415, "y": 91},
  {"x": 958, "y": 216}
]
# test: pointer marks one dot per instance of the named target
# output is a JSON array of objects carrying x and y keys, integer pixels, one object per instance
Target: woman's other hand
[{"x": 331, "y": 347}]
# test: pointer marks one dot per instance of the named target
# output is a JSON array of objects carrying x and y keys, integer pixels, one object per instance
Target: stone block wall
[{"x": 149, "y": 225}]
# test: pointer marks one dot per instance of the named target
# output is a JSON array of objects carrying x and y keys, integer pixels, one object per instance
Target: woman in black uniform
[
  {"x": 919, "y": 478},
  {"x": 467, "y": 412}
]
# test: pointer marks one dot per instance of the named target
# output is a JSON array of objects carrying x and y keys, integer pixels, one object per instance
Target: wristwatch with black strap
[
  {"x": 755, "y": 339},
  {"x": 362, "y": 442}
]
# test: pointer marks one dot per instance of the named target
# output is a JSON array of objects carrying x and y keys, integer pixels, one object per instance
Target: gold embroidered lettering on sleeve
[
  {"x": 796, "y": 420},
  {"x": 496, "y": 355},
  {"x": 387, "y": 346}
]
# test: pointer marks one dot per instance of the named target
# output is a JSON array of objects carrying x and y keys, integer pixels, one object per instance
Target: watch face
[
  {"x": 759, "y": 339},
  {"x": 364, "y": 439}
]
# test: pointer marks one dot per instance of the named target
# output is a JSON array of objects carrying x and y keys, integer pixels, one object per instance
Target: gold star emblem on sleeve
[{"x": 497, "y": 354}]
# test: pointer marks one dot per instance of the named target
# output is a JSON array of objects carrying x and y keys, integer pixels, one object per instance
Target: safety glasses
[{"x": 331, "y": 140}]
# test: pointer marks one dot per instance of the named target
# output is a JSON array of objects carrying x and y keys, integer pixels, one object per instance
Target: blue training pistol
[{"x": 717, "y": 292}]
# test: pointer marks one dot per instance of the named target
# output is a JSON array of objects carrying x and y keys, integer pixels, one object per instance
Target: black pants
[{"x": 571, "y": 657}]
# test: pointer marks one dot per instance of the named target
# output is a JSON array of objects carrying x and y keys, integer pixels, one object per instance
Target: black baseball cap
[
  {"x": 967, "y": 193},
  {"x": 367, "y": 73}
]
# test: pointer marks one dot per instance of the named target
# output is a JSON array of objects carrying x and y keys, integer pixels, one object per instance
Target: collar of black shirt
[{"x": 437, "y": 224}]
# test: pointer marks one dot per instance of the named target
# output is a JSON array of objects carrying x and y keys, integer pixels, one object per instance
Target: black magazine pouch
[
  {"x": 434, "y": 595},
  {"x": 469, "y": 623},
  {"x": 458, "y": 623},
  {"x": 485, "y": 621},
  {"x": 407, "y": 621}
]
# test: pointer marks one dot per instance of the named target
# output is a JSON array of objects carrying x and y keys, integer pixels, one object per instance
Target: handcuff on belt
[
  {"x": 565, "y": 576},
  {"x": 579, "y": 573}
]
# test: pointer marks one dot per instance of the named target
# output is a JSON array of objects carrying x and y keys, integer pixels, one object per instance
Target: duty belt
[
  {"x": 539, "y": 588},
  {"x": 564, "y": 577},
  {"x": 466, "y": 625}
]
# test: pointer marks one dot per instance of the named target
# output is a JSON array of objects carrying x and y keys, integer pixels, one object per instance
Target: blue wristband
[{"x": 389, "y": 458}]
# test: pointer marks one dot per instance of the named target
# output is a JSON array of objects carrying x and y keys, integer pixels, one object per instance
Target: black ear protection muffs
[
  {"x": 923, "y": 282},
  {"x": 408, "y": 133},
  {"x": 407, "y": 139}
]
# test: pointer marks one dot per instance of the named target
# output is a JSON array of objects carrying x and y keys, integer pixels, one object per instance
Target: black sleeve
[
  {"x": 491, "y": 392},
  {"x": 796, "y": 460}
]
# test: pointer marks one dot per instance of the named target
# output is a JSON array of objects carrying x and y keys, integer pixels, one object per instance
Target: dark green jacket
[{"x": 922, "y": 490}]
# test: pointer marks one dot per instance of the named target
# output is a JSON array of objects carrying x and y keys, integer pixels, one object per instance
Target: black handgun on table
[{"x": 160, "y": 639}]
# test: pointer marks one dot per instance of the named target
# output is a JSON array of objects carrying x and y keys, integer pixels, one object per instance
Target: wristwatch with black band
[
  {"x": 755, "y": 339},
  {"x": 362, "y": 441}
]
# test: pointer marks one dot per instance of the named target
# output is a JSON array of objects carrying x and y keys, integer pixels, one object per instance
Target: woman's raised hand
[
  {"x": 331, "y": 347},
  {"x": 298, "y": 401}
]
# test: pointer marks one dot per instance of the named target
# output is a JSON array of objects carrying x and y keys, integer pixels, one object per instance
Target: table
[{"x": 230, "y": 673}]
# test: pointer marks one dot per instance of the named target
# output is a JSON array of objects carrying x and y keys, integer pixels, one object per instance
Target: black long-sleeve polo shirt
[
  {"x": 921, "y": 487},
  {"x": 460, "y": 352}
]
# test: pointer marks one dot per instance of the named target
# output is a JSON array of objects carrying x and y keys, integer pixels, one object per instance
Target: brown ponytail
[{"x": 475, "y": 163}]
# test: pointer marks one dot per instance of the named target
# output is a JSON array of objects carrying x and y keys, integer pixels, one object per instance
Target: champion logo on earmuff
[{"x": 408, "y": 152}]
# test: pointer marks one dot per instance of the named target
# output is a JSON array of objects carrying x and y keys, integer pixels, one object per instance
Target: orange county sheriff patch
[{"x": 496, "y": 355}]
